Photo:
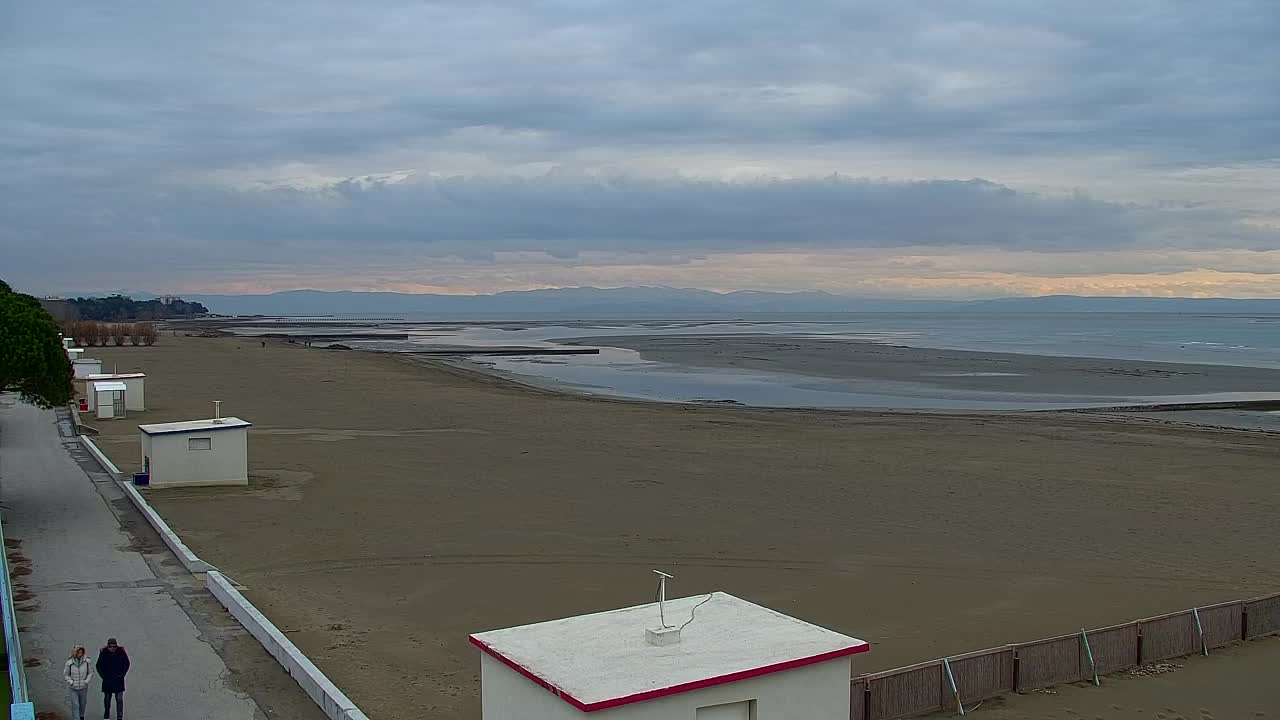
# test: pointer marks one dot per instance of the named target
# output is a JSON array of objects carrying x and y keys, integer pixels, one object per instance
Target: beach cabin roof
[
  {"x": 108, "y": 386},
  {"x": 115, "y": 376},
  {"x": 188, "y": 426},
  {"x": 603, "y": 660}
]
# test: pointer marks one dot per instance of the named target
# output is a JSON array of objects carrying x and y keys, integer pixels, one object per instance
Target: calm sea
[{"x": 1213, "y": 339}]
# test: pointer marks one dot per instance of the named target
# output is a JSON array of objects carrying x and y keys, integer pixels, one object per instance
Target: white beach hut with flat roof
[
  {"x": 108, "y": 398},
  {"x": 134, "y": 394},
  {"x": 85, "y": 367},
  {"x": 720, "y": 658},
  {"x": 196, "y": 452}
]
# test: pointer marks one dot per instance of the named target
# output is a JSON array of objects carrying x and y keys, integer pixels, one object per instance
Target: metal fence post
[
  {"x": 954, "y": 690},
  {"x": 1084, "y": 637},
  {"x": 1195, "y": 613}
]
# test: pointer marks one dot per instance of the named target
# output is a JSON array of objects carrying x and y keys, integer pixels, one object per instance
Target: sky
[{"x": 959, "y": 149}]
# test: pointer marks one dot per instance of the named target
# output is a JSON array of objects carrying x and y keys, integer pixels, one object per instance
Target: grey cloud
[
  {"x": 147, "y": 87},
  {"x": 563, "y": 214},
  {"x": 116, "y": 115}
]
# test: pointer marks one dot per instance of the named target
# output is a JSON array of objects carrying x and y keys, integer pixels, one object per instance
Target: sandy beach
[{"x": 396, "y": 507}]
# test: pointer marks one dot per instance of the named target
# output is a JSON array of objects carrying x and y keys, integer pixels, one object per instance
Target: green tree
[{"x": 32, "y": 360}]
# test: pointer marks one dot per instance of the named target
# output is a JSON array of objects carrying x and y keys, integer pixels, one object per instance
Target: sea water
[{"x": 1245, "y": 340}]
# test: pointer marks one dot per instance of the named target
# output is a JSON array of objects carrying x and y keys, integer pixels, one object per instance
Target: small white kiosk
[
  {"x": 708, "y": 657},
  {"x": 108, "y": 399},
  {"x": 197, "y": 452},
  {"x": 84, "y": 367},
  {"x": 134, "y": 396}
]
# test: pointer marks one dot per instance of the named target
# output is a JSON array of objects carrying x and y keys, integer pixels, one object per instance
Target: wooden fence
[{"x": 928, "y": 687}]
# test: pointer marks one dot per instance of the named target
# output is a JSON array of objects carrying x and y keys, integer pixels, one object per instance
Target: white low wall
[
  {"x": 325, "y": 694},
  {"x": 304, "y": 672},
  {"x": 98, "y": 455},
  {"x": 189, "y": 560}
]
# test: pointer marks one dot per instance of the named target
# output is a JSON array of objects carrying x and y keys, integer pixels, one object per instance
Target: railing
[
  {"x": 959, "y": 681},
  {"x": 20, "y": 703}
]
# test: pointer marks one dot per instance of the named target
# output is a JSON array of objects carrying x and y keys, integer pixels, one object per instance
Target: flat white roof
[
  {"x": 74, "y": 351},
  {"x": 227, "y": 423},
  {"x": 86, "y": 360},
  {"x": 602, "y": 660},
  {"x": 109, "y": 385},
  {"x": 114, "y": 376}
]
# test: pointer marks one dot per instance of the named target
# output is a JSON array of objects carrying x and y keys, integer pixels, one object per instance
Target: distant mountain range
[{"x": 664, "y": 302}]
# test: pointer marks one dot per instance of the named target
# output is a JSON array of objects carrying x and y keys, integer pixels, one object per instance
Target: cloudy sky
[{"x": 968, "y": 148}]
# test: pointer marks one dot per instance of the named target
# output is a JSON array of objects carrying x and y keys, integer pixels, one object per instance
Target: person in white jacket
[{"x": 78, "y": 673}]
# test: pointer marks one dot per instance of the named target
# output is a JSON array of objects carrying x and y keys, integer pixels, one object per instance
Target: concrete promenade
[{"x": 97, "y": 570}]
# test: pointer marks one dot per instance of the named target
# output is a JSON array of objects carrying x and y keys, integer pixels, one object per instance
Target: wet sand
[
  {"x": 394, "y": 508},
  {"x": 946, "y": 369}
]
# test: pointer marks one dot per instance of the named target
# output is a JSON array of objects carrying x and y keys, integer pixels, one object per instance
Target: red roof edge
[{"x": 674, "y": 689}]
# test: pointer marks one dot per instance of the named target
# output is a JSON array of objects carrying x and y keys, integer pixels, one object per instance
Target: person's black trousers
[{"x": 106, "y": 705}]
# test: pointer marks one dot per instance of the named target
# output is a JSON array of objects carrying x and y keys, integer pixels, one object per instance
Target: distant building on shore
[{"x": 708, "y": 657}]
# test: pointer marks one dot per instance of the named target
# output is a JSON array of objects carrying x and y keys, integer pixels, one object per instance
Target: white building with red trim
[{"x": 730, "y": 659}]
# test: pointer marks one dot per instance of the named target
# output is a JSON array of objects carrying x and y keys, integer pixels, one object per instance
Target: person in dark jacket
[{"x": 113, "y": 665}]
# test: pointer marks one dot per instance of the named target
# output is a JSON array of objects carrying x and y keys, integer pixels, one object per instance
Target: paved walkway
[{"x": 92, "y": 578}]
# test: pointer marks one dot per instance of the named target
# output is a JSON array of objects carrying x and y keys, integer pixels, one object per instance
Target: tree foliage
[
  {"x": 32, "y": 359},
  {"x": 115, "y": 308}
]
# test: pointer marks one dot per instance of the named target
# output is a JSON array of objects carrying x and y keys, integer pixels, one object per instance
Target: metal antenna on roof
[
  {"x": 217, "y": 412},
  {"x": 662, "y": 596}
]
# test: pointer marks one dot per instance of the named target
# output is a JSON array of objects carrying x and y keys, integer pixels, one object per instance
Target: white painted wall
[
  {"x": 104, "y": 404},
  {"x": 84, "y": 367},
  {"x": 134, "y": 394},
  {"x": 146, "y": 449},
  {"x": 324, "y": 693},
  {"x": 173, "y": 464},
  {"x": 814, "y": 692}
]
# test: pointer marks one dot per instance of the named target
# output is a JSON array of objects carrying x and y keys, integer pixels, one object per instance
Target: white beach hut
[
  {"x": 108, "y": 399},
  {"x": 717, "y": 658},
  {"x": 196, "y": 452},
  {"x": 134, "y": 396},
  {"x": 84, "y": 367}
]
